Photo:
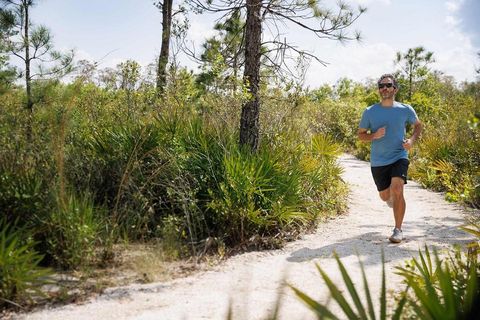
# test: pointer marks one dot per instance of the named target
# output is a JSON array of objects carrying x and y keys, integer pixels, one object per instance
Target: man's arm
[
  {"x": 363, "y": 134},
  {"x": 417, "y": 130}
]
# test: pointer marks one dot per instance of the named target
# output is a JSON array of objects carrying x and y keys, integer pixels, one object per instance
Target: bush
[
  {"x": 73, "y": 227},
  {"x": 161, "y": 166},
  {"x": 443, "y": 288},
  {"x": 20, "y": 274}
]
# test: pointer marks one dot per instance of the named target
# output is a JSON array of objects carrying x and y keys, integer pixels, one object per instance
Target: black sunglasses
[{"x": 383, "y": 85}]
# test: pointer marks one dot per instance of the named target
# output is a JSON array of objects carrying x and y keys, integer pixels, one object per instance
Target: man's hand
[
  {"x": 380, "y": 133},
  {"x": 407, "y": 144},
  {"x": 417, "y": 129}
]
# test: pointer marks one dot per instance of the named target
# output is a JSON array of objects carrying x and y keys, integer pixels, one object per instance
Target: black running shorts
[{"x": 383, "y": 175}]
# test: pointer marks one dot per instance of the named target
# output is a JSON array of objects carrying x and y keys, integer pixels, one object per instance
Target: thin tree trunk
[
  {"x": 165, "y": 49},
  {"x": 27, "y": 59},
  {"x": 249, "y": 122},
  {"x": 235, "y": 73},
  {"x": 28, "y": 80},
  {"x": 410, "y": 89},
  {"x": 410, "y": 82}
]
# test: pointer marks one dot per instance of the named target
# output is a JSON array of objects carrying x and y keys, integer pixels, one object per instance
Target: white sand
[{"x": 251, "y": 280}]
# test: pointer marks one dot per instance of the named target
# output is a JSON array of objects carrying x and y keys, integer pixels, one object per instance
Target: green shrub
[
  {"x": 22, "y": 195},
  {"x": 255, "y": 196},
  {"x": 151, "y": 162},
  {"x": 126, "y": 167},
  {"x": 443, "y": 288},
  {"x": 353, "y": 308},
  {"x": 73, "y": 226},
  {"x": 276, "y": 190},
  {"x": 173, "y": 234},
  {"x": 446, "y": 287},
  {"x": 20, "y": 275}
]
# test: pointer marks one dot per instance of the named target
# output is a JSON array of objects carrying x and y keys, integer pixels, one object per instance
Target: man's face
[{"x": 386, "y": 88}]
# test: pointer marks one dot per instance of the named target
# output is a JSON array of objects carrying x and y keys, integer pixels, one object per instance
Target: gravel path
[{"x": 250, "y": 282}]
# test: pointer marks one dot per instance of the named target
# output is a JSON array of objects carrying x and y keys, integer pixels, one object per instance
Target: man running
[{"x": 384, "y": 125}]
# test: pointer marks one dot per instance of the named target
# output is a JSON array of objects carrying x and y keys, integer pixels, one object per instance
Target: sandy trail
[{"x": 251, "y": 281}]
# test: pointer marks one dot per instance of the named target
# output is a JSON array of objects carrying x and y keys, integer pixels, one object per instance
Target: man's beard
[{"x": 387, "y": 95}]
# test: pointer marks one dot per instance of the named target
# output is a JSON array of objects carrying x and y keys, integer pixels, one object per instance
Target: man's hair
[{"x": 391, "y": 76}]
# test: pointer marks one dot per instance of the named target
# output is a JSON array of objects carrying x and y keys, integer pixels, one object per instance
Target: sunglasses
[{"x": 385, "y": 85}]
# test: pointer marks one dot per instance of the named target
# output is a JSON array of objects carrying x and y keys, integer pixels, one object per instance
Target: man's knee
[
  {"x": 385, "y": 194},
  {"x": 397, "y": 189}
]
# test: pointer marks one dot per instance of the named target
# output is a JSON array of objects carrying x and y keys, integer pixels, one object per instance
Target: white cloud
[
  {"x": 458, "y": 62},
  {"x": 452, "y": 21},
  {"x": 453, "y": 5},
  {"x": 357, "y": 62},
  {"x": 372, "y": 2},
  {"x": 82, "y": 55},
  {"x": 199, "y": 31}
]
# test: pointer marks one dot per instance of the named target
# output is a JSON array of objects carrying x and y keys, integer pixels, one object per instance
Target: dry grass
[{"x": 133, "y": 263}]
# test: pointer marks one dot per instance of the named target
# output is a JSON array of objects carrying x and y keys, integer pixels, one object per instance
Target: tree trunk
[
  {"x": 249, "y": 122},
  {"x": 27, "y": 57},
  {"x": 28, "y": 80},
  {"x": 235, "y": 73},
  {"x": 410, "y": 87},
  {"x": 164, "y": 51}
]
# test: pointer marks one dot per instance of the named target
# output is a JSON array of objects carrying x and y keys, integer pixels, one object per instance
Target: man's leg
[
  {"x": 382, "y": 177},
  {"x": 385, "y": 194},
  {"x": 396, "y": 189}
]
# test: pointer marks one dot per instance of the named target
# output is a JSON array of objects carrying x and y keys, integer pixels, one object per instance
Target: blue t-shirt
[{"x": 388, "y": 149}]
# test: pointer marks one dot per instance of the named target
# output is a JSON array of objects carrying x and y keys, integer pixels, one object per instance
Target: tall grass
[
  {"x": 102, "y": 167},
  {"x": 73, "y": 228},
  {"x": 21, "y": 277}
]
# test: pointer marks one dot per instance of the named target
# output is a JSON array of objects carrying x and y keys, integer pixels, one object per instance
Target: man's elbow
[
  {"x": 361, "y": 135},
  {"x": 419, "y": 125}
]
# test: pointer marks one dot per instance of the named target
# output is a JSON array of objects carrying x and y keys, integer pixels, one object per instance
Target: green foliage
[
  {"x": 104, "y": 164},
  {"x": 174, "y": 236},
  {"x": 354, "y": 308},
  {"x": 21, "y": 195},
  {"x": 49, "y": 62},
  {"x": 321, "y": 94},
  {"x": 413, "y": 65},
  {"x": 126, "y": 169},
  {"x": 20, "y": 274},
  {"x": 128, "y": 74},
  {"x": 443, "y": 289},
  {"x": 25, "y": 170},
  {"x": 450, "y": 162},
  {"x": 473, "y": 227},
  {"x": 256, "y": 196},
  {"x": 8, "y": 74},
  {"x": 72, "y": 231},
  {"x": 223, "y": 56}
]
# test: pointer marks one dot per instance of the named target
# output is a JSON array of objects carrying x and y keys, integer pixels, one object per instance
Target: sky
[{"x": 112, "y": 31}]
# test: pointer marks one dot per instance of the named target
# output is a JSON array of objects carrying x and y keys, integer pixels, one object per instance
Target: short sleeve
[
  {"x": 365, "y": 121},
  {"x": 412, "y": 115}
]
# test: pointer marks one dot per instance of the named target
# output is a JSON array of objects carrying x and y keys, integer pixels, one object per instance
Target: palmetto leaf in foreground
[
  {"x": 355, "y": 309},
  {"x": 443, "y": 296}
]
